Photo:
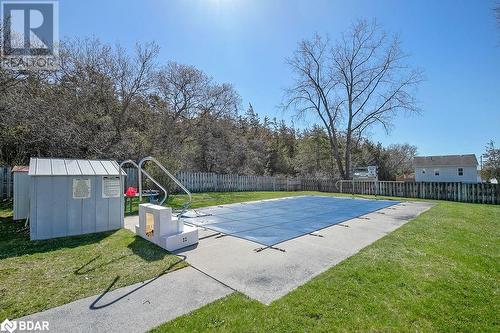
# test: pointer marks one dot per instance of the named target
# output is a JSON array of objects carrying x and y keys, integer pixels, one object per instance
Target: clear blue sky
[{"x": 245, "y": 42}]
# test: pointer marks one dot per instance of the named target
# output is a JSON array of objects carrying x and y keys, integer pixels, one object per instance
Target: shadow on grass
[
  {"x": 82, "y": 271},
  {"x": 15, "y": 240},
  {"x": 95, "y": 306},
  {"x": 147, "y": 250}
]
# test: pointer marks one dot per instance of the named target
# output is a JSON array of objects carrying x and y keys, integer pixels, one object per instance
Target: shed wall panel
[
  {"x": 33, "y": 202},
  {"x": 43, "y": 192},
  {"x": 88, "y": 208},
  {"x": 102, "y": 208},
  {"x": 115, "y": 221},
  {"x": 59, "y": 220},
  {"x": 74, "y": 211},
  {"x": 21, "y": 195}
]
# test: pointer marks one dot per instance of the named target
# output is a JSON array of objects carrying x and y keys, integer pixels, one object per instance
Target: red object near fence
[{"x": 131, "y": 192}]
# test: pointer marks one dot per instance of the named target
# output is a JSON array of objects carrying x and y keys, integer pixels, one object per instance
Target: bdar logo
[{"x": 8, "y": 326}]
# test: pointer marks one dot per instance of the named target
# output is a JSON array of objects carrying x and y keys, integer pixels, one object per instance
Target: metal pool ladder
[
  {"x": 185, "y": 206},
  {"x": 139, "y": 171}
]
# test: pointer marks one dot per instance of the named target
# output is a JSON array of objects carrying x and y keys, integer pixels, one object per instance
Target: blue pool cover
[{"x": 270, "y": 222}]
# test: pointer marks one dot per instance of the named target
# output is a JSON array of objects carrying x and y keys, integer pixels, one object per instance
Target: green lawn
[
  {"x": 38, "y": 275},
  {"x": 439, "y": 272}
]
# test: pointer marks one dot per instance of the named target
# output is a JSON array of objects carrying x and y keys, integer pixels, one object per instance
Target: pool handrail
[
  {"x": 140, "y": 172},
  {"x": 152, "y": 159}
]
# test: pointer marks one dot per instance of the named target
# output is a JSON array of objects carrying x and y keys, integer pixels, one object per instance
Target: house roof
[
  {"x": 445, "y": 160},
  {"x": 71, "y": 167}
]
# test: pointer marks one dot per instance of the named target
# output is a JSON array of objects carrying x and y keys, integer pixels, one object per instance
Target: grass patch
[
  {"x": 439, "y": 272},
  {"x": 6, "y": 209},
  {"x": 37, "y": 275}
]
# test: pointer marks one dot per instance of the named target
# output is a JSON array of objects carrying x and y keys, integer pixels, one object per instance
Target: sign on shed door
[
  {"x": 81, "y": 188},
  {"x": 111, "y": 187}
]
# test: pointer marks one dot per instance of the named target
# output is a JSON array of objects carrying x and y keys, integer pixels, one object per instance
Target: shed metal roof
[
  {"x": 71, "y": 167},
  {"x": 446, "y": 160}
]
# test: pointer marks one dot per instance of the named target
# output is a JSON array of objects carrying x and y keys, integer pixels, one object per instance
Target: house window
[
  {"x": 460, "y": 171},
  {"x": 436, "y": 172}
]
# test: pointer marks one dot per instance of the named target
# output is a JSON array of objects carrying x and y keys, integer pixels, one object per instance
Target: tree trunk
[
  {"x": 348, "y": 141},
  {"x": 347, "y": 162},
  {"x": 347, "y": 153},
  {"x": 336, "y": 153}
]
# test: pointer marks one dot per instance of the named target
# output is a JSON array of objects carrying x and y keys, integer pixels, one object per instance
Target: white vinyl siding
[{"x": 446, "y": 174}]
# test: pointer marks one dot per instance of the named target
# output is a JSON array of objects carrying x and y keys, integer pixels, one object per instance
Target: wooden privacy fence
[
  {"x": 212, "y": 182},
  {"x": 203, "y": 182},
  {"x": 452, "y": 191},
  {"x": 5, "y": 183}
]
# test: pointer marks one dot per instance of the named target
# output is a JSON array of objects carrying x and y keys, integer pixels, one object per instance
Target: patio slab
[{"x": 136, "y": 308}]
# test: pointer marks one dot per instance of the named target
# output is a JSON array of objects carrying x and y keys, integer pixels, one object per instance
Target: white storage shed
[
  {"x": 73, "y": 197},
  {"x": 21, "y": 192}
]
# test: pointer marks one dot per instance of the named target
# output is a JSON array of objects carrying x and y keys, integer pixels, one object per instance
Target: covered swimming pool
[{"x": 270, "y": 222}]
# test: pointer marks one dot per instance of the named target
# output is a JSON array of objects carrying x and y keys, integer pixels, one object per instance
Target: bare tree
[
  {"x": 108, "y": 76},
  {"x": 181, "y": 88},
  {"x": 360, "y": 81},
  {"x": 133, "y": 76},
  {"x": 186, "y": 96},
  {"x": 313, "y": 90},
  {"x": 187, "y": 92},
  {"x": 400, "y": 158}
]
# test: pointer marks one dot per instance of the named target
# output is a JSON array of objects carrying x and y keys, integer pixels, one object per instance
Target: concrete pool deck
[
  {"x": 270, "y": 274},
  {"x": 136, "y": 308},
  {"x": 220, "y": 265}
]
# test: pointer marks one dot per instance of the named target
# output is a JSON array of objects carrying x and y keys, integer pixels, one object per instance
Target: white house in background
[{"x": 448, "y": 168}]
